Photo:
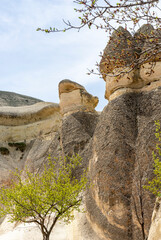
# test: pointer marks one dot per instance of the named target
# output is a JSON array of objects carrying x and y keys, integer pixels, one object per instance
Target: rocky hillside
[{"x": 116, "y": 145}]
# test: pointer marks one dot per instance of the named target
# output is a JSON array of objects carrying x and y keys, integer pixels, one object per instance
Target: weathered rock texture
[
  {"x": 115, "y": 145},
  {"x": 74, "y": 97},
  {"x": 26, "y": 124},
  {"x": 120, "y": 160},
  {"x": 31, "y": 133},
  {"x": 16, "y": 100},
  {"x": 119, "y": 55},
  {"x": 23, "y": 123},
  {"x": 118, "y": 52},
  {"x": 140, "y": 37}
]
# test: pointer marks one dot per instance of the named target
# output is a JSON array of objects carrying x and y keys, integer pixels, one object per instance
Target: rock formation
[
  {"x": 32, "y": 131},
  {"x": 22, "y": 130},
  {"x": 155, "y": 229},
  {"x": 74, "y": 97},
  {"x": 118, "y": 52},
  {"x": 116, "y": 144},
  {"x": 125, "y": 52}
]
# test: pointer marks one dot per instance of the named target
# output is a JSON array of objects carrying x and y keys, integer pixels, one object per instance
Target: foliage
[
  {"x": 105, "y": 14},
  {"x": 154, "y": 185},
  {"x": 108, "y": 14},
  {"x": 44, "y": 198}
]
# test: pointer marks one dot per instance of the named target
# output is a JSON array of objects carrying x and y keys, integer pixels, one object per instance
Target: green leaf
[
  {"x": 154, "y": 185},
  {"x": 36, "y": 196}
]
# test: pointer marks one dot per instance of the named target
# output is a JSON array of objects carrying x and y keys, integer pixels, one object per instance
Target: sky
[{"x": 33, "y": 63}]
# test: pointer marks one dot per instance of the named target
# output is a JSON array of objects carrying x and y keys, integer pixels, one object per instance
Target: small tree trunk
[
  {"x": 45, "y": 236},
  {"x": 45, "y": 233}
]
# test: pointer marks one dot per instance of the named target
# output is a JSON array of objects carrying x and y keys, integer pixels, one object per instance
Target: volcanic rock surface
[
  {"x": 120, "y": 54},
  {"x": 74, "y": 97},
  {"x": 116, "y": 146},
  {"x": 15, "y": 99}
]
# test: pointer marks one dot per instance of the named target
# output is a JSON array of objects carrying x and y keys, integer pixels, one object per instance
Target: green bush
[{"x": 154, "y": 186}]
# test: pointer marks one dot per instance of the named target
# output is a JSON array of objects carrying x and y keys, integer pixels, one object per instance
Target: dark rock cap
[
  {"x": 140, "y": 38},
  {"x": 123, "y": 49},
  {"x": 144, "y": 30},
  {"x": 152, "y": 45},
  {"x": 118, "y": 52}
]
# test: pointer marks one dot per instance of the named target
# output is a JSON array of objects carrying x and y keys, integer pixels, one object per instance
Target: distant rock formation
[{"x": 16, "y": 100}]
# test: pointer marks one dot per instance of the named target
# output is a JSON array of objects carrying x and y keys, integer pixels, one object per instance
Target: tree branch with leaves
[{"x": 47, "y": 197}]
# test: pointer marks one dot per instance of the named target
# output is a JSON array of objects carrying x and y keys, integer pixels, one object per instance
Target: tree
[
  {"x": 103, "y": 14},
  {"x": 154, "y": 185},
  {"x": 45, "y": 198},
  {"x": 107, "y": 15}
]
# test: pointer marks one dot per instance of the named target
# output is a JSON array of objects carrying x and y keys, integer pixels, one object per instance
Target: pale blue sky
[{"x": 33, "y": 63}]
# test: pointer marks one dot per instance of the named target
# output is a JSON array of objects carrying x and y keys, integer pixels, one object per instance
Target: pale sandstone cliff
[
  {"x": 29, "y": 133},
  {"x": 112, "y": 145},
  {"x": 116, "y": 145},
  {"x": 155, "y": 229}
]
